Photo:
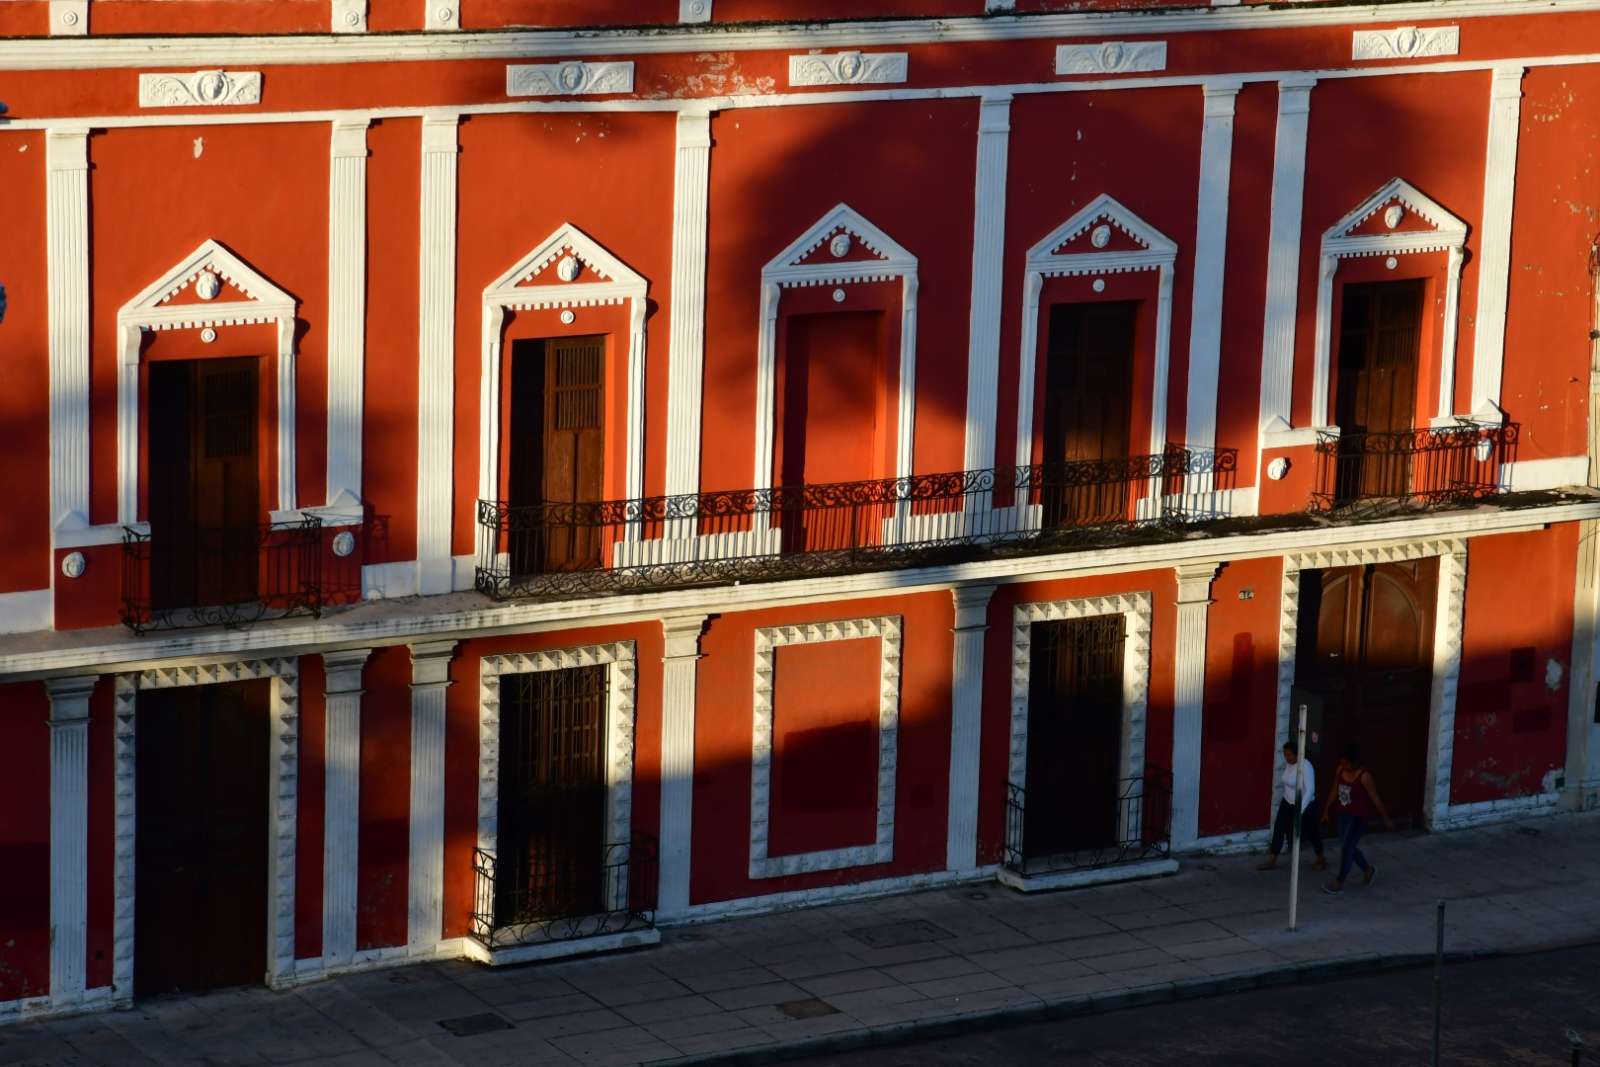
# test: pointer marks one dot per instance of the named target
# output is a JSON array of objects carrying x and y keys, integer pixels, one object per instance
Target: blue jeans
[{"x": 1351, "y": 827}]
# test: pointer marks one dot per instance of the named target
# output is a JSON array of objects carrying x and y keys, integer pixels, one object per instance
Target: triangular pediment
[
  {"x": 842, "y": 239},
  {"x": 209, "y": 277},
  {"x": 1398, "y": 212},
  {"x": 1103, "y": 227},
  {"x": 569, "y": 257}
]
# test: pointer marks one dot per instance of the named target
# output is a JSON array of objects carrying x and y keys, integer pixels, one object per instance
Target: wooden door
[
  {"x": 1074, "y": 736},
  {"x": 1087, "y": 411},
  {"x": 201, "y": 837},
  {"x": 557, "y": 453},
  {"x": 205, "y": 495},
  {"x": 1371, "y": 657},
  {"x": 553, "y": 795},
  {"x": 1380, "y": 334}
]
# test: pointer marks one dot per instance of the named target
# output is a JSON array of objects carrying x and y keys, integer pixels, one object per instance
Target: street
[{"x": 1512, "y": 1010}]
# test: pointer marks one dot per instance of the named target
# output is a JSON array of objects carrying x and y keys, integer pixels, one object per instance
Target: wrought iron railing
[
  {"x": 1411, "y": 470},
  {"x": 550, "y": 549},
  {"x": 1142, "y": 831},
  {"x": 222, "y": 577},
  {"x": 529, "y": 903}
]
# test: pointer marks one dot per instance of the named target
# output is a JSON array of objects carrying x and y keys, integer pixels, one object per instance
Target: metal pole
[
  {"x": 1576, "y": 1041},
  {"x": 1299, "y": 814},
  {"x": 1438, "y": 978}
]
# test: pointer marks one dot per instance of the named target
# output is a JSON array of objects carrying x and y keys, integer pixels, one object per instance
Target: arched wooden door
[{"x": 1372, "y": 660}]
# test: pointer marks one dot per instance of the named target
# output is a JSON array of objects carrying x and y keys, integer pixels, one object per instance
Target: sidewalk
[{"x": 870, "y": 971}]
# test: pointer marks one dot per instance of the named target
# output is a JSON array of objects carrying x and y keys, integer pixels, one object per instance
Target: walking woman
[{"x": 1354, "y": 798}]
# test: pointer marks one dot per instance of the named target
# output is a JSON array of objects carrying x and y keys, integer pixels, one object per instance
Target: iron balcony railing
[
  {"x": 522, "y": 901},
  {"x": 1142, "y": 829},
  {"x": 1411, "y": 470},
  {"x": 563, "y": 549}
]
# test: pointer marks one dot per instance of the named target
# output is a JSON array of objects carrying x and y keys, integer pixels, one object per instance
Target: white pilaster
[
  {"x": 69, "y": 836},
  {"x": 1583, "y": 734},
  {"x": 347, "y": 307},
  {"x": 691, "y": 190},
  {"x": 430, "y": 677},
  {"x": 988, "y": 268},
  {"x": 679, "y": 664},
  {"x": 341, "y": 820},
  {"x": 1494, "y": 267},
  {"x": 966, "y": 724},
  {"x": 1188, "y": 698},
  {"x": 67, "y": 297},
  {"x": 436, "y": 380},
  {"x": 1283, "y": 253},
  {"x": 1210, "y": 262}
]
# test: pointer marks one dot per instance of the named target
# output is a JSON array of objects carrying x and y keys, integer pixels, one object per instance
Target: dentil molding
[
  {"x": 1406, "y": 42},
  {"x": 1111, "y": 57},
  {"x": 200, "y": 88},
  {"x": 568, "y": 79},
  {"x": 848, "y": 68}
]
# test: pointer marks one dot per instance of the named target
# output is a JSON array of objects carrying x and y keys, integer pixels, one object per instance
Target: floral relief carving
[
  {"x": 568, "y": 79},
  {"x": 848, "y": 68},
  {"x": 1407, "y": 42},
  {"x": 1111, "y": 57},
  {"x": 201, "y": 88}
]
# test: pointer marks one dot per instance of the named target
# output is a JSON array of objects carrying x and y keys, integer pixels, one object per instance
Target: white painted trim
[
  {"x": 347, "y": 308},
  {"x": 886, "y": 630},
  {"x": 1405, "y": 42},
  {"x": 283, "y": 765},
  {"x": 1111, "y": 57},
  {"x": 848, "y": 68},
  {"x": 1137, "y": 613},
  {"x": 200, "y": 88},
  {"x": 622, "y": 682},
  {"x": 341, "y": 823},
  {"x": 1553, "y": 473},
  {"x": 692, "y": 11},
  {"x": 1210, "y": 269},
  {"x": 1449, "y": 234},
  {"x": 263, "y": 302},
  {"x": 1486, "y": 812},
  {"x": 27, "y": 611},
  {"x": 1157, "y": 252},
  {"x": 1494, "y": 244},
  {"x": 806, "y": 263},
  {"x": 681, "y": 653},
  {"x": 436, "y": 361},
  {"x": 540, "y": 951},
  {"x": 1583, "y": 733},
  {"x": 67, "y": 297},
  {"x": 571, "y": 78},
  {"x": 430, "y": 677},
  {"x": 69, "y": 836},
  {"x": 1083, "y": 877},
  {"x": 966, "y": 724},
  {"x": 442, "y": 14},
  {"x": 618, "y": 284},
  {"x": 691, "y": 198},
  {"x": 1283, "y": 254},
  {"x": 1229, "y": 844},
  {"x": 69, "y": 18},
  {"x": 988, "y": 276},
  {"x": 348, "y": 16},
  {"x": 769, "y": 903},
  {"x": 1189, "y": 698},
  {"x": 27, "y": 1009}
]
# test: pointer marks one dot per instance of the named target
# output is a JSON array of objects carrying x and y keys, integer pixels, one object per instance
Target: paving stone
[
  {"x": 651, "y": 1011},
  {"x": 670, "y": 1030},
  {"x": 712, "y": 981},
  {"x": 541, "y": 1007},
  {"x": 757, "y": 995},
  {"x": 976, "y": 982},
  {"x": 566, "y": 1025},
  {"x": 926, "y": 970},
  {"x": 1084, "y": 948},
  {"x": 847, "y": 982},
  {"x": 617, "y": 996},
  {"x": 1127, "y": 961},
  {"x": 724, "y": 1041}
]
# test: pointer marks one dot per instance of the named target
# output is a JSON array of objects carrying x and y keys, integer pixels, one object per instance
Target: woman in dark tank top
[{"x": 1354, "y": 798}]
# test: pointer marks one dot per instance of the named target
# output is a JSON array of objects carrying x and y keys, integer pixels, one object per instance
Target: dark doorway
[
  {"x": 1074, "y": 736},
  {"x": 557, "y": 452},
  {"x": 1380, "y": 336},
  {"x": 204, "y": 478},
  {"x": 202, "y": 811},
  {"x": 553, "y": 794},
  {"x": 1088, "y": 411},
  {"x": 1367, "y": 639}
]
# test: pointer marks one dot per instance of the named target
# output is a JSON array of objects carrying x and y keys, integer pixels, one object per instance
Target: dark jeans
[
  {"x": 1351, "y": 827},
  {"x": 1283, "y": 828}
]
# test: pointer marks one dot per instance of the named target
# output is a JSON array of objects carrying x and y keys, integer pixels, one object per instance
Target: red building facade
[{"x": 488, "y": 478}]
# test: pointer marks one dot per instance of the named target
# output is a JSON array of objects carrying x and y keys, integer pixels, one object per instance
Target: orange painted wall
[
  {"x": 1516, "y": 659},
  {"x": 384, "y": 849},
  {"x": 310, "y": 793},
  {"x": 25, "y": 842},
  {"x": 1240, "y": 717},
  {"x": 776, "y": 172},
  {"x": 994, "y": 760},
  {"x": 723, "y": 728},
  {"x": 24, "y": 369}
]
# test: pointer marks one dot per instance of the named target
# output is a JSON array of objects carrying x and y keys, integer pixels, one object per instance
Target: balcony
[
  {"x": 554, "y": 550},
  {"x": 522, "y": 903},
  {"x": 1363, "y": 474},
  {"x": 1139, "y": 837}
]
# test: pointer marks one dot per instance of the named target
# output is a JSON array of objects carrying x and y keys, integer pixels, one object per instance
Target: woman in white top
[{"x": 1299, "y": 789}]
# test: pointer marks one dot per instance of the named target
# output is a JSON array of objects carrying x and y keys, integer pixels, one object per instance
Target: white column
[
  {"x": 1188, "y": 698},
  {"x": 436, "y": 370},
  {"x": 1494, "y": 266},
  {"x": 67, "y": 297},
  {"x": 1583, "y": 734},
  {"x": 1283, "y": 254},
  {"x": 678, "y": 669},
  {"x": 988, "y": 266},
  {"x": 347, "y": 308},
  {"x": 1449, "y": 623},
  {"x": 691, "y": 190},
  {"x": 966, "y": 724},
  {"x": 341, "y": 819},
  {"x": 1210, "y": 262},
  {"x": 430, "y": 677},
  {"x": 69, "y": 836}
]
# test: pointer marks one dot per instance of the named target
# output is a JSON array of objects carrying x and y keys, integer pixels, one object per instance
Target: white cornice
[{"x": 46, "y": 54}]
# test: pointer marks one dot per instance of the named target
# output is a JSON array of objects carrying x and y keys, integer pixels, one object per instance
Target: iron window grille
[
  {"x": 529, "y": 911},
  {"x": 1143, "y": 831},
  {"x": 1362, "y": 473}
]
